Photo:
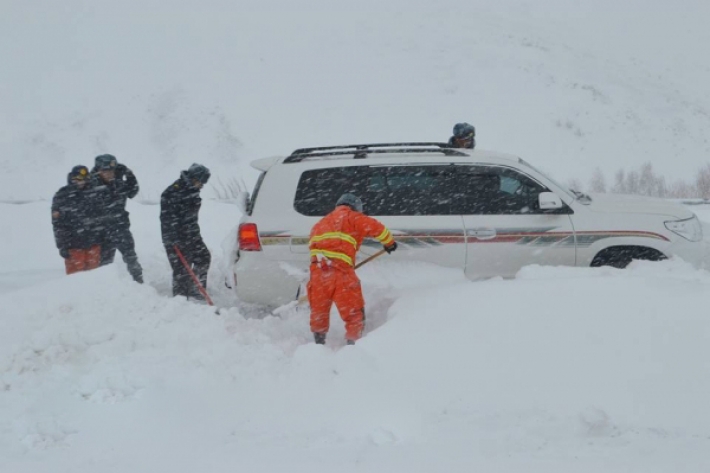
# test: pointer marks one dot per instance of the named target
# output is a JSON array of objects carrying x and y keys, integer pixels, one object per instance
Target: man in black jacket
[
  {"x": 79, "y": 221},
  {"x": 179, "y": 208},
  {"x": 122, "y": 185}
]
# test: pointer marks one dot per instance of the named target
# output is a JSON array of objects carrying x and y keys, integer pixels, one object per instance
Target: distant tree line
[{"x": 645, "y": 181}]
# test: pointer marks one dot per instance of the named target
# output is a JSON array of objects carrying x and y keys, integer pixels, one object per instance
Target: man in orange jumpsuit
[{"x": 334, "y": 241}]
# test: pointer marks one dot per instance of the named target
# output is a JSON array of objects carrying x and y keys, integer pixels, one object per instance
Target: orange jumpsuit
[{"x": 334, "y": 241}]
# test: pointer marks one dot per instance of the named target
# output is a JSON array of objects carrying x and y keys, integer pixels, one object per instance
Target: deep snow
[{"x": 561, "y": 369}]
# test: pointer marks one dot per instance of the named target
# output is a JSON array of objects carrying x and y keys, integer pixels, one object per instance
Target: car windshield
[{"x": 570, "y": 193}]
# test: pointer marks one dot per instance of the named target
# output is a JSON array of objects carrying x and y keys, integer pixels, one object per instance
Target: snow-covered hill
[{"x": 568, "y": 85}]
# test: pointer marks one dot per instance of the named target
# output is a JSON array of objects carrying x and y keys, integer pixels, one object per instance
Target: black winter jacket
[
  {"x": 179, "y": 208},
  {"x": 120, "y": 191},
  {"x": 79, "y": 216}
]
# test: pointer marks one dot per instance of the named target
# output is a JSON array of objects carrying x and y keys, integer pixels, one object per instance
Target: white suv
[{"x": 488, "y": 214}]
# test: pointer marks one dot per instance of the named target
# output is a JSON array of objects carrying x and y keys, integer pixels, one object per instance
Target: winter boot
[
  {"x": 350, "y": 342},
  {"x": 319, "y": 338}
]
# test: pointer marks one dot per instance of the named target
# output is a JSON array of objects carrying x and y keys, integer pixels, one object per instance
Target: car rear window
[{"x": 419, "y": 190}]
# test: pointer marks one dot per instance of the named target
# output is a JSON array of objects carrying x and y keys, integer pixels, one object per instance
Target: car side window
[
  {"x": 384, "y": 190},
  {"x": 319, "y": 189},
  {"x": 408, "y": 190},
  {"x": 509, "y": 185},
  {"x": 420, "y": 190},
  {"x": 492, "y": 190}
]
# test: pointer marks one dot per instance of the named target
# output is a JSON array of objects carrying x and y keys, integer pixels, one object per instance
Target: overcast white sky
[{"x": 568, "y": 85}]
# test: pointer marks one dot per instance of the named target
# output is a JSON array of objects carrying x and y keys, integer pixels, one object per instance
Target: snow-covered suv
[{"x": 487, "y": 213}]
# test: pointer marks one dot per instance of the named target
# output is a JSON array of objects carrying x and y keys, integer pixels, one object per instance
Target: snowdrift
[{"x": 560, "y": 369}]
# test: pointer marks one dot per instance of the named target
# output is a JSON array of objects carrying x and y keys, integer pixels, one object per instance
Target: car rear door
[{"x": 505, "y": 229}]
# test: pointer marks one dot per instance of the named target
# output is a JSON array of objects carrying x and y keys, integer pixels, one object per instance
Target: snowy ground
[{"x": 561, "y": 369}]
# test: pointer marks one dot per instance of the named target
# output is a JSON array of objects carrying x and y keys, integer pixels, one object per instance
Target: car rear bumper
[{"x": 265, "y": 282}]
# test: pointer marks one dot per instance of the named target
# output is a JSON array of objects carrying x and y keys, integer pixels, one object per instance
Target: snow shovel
[
  {"x": 200, "y": 288},
  {"x": 361, "y": 263}
]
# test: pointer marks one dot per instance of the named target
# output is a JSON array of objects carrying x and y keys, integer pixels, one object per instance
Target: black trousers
[
  {"x": 121, "y": 238},
  {"x": 198, "y": 259}
]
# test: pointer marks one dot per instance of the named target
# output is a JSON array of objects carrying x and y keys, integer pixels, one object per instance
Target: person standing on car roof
[
  {"x": 179, "y": 208},
  {"x": 122, "y": 185},
  {"x": 464, "y": 136},
  {"x": 334, "y": 241},
  {"x": 79, "y": 221}
]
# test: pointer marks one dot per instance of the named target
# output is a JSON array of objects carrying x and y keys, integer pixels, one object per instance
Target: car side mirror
[{"x": 550, "y": 201}]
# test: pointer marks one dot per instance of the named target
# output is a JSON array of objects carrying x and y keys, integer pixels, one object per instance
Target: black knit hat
[
  {"x": 351, "y": 200},
  {"x": 199, "y": 172}
]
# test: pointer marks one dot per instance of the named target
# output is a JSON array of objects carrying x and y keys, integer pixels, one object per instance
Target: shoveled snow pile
[{"x": 557, "y": 370}]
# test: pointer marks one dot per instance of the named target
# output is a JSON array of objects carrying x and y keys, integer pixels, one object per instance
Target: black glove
[
  {"x": 64, "y": 253},
  {"x": 389, "y": 249}
]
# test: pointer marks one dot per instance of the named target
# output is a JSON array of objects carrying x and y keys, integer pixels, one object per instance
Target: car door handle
[{"x": 482, "y": 233}]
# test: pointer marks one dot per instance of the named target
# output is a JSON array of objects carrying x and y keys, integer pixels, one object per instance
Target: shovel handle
[
  {"x": 370, "y": 258},
  {"x": 192, "y": 275}
]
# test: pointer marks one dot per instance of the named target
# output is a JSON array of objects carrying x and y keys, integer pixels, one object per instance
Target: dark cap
[
  {"x": 78, "y": 173},
  {"x": 105, "y": 162}
]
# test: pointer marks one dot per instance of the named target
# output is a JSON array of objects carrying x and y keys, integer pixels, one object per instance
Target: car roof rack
[{"x": 361, "y": 151}]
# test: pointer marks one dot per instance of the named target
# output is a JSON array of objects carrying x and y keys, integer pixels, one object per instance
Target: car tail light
[{"x": 249, "y": 237}]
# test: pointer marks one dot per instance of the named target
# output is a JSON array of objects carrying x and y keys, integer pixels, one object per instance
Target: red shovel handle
[
  {"x": 370, "y": 258},
  {"x": 192, "y": 275}
]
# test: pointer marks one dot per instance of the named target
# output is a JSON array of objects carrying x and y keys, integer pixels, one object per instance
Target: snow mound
[{"x": 97, "y": 372}]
